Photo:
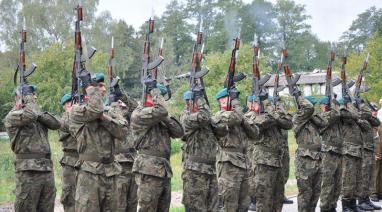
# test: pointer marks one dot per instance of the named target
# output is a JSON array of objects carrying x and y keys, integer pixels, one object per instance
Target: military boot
[
  {"x": 346, "y": 206},
  {"x": 363, "y": 205},
  {"x": 252, "y": 206},
  {"x": 333, "y": 210},
  {"x": 287, "y": 201},
  {"x": 375, "y": 207}
]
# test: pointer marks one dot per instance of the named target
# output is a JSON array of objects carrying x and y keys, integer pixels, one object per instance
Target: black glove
[
  {"x": 296, "y": 92},
  {"x": 150, "y": 84},
  {"x": 263, "y": 95},
  {"x": 85, "y": 78},
  {"x": 197, "y": 93},
  {"x": 234, "y": 94},
  {"x": 27, "y": 89}
]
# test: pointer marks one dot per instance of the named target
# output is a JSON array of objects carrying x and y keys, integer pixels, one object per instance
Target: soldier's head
[
  {"x": 66, "y": 102},
  {"x": 374, "y": 109},
  {"x": 324, "y": 103},
  {"x": 98, "y": 81},
  {"x": 223, "y": 97},
  {"x": 149, "y": 100},
  {"x": 253, "y": 103},
  {"x": 27, "y": 92}
]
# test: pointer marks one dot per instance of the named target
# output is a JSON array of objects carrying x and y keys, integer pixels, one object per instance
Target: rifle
[
  {"x": 329, "y": 83},
  {"x": 231, "y": 78},
  {"x": 276, "y": 86},
  {"x": 357, "y": 90},
  {"x": 147, "y": 65},
  {"x": 291, "y": 80},
  {"x": 21, "y": 66},
  {"x": 257, "y": 81},
  {"x": 79, "y": 68},
  {"x": 113, "y": 81},
  {"x": 163, "y": 79}
]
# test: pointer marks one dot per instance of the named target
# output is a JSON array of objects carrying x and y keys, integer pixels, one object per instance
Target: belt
[
  {"x": 71, "y": 153},
  {"x": 232, "y": 149},
  {"x": 95, "y": 158},
  {"x": 209, "y": 161},
  {"x": 33, "y": 155},
  {"x": 313, "y": 147},
  {"x": 154, "y": 153}
]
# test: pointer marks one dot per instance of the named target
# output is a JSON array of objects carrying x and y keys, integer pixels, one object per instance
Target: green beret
[
  {"x": 324, "y": 100},
  {"x": 253, "y": 98},
  {"x": 222, "y": 93},
  {"x": 311, "y": 99},
  {"x": 162, "y": 89},
  {"x": 187, "y": 95},
  {"x": 98, "y": 77},
  {"x": 26, "y": 89},
  {"x": 66, "y": 98}
]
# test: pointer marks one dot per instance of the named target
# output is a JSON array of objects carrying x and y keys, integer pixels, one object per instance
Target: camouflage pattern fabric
[
  {"x": 368, "y": 164},
  {"x": 126, "y": 189},
  {"x": 199, "y": 153},
  {"x": 351, "y": 177},
  {"x": 28, "y": 132},
  {"x": 377, "y": 187},
  {"x": 152, "y": 130},
  {"x": 68, "y": 184},
  {"x": 285, "y": 158}
]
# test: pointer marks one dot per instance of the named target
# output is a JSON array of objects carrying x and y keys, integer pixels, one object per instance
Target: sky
[{"x": 329, "y": 18}]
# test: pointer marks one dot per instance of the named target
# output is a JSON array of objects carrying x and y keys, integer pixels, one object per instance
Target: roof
[{"x": 305, "y": 79}]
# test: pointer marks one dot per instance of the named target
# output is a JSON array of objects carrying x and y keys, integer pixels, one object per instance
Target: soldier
[
  {"x": 152, "y": 130},
  {"x": 200, "y": 185},
  {"x": 120, "y": 104},
  {"x": 96, "y": 132},
  {"x": 308, "y": 154},
  {"x": 70, "y": 158},
  {"x": 27, "y": 126},
  {"x": 331, "y": 152},
  {"x": 377, "y": 181},
  {"x": 267, "y": 156},
  {"x": 352, "y": 156},
  {"x": 368, "y": 161},
  {"x": 232, "y": 131}
]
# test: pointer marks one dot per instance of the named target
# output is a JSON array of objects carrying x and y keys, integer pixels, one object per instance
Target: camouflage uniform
[
  {"x": 377, "y": 190},
  {"x": 308, "y": 155},
  {"x": 331, "y": 151},
  {"x": 368, "y": 161},
  {"x": 28, "y": 132},
  {"x": 152, "y": 131},
  {"x": 68, "y": 162},
  {"x": 200, "y": 186},
  {"x": 95, "y": 133},
  {"x": 267, "y": 159},
  {"x": 233, "y": 130},
  {"x": 125, "y": 155},
  {"x": 352, "y": 157}
]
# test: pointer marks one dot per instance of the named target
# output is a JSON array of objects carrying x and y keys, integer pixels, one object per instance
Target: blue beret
[
  {"x": 222, "y": 93},
  {"x": 98, "y": 77},
  {"x": 311, "y": 99},
  {"x": 270, "y": 98},
  {"x": 187, "y": 95},
  {"x": 66, "y": 98},
  {"x": 253, "y": 98},
  {"x": 162, "y": 89},
  {"x": 324, "y": 100},
  {"x": 341, "y": 101}
]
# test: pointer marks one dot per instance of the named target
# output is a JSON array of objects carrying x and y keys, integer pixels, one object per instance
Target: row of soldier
[{"x": 116, "y": 158}]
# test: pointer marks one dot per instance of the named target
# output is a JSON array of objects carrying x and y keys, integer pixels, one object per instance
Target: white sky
[{"x": 330, "y": 18}]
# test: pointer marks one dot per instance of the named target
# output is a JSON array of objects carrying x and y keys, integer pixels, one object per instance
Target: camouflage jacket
[
  {"x": 28, "y": 132},
  {"x": 331, "y": 134},
  {"x": 307, "y": 124},
  {"x": 351, "y": 132},
  {"x": 367, "y": 127},
  {"x": 270, "y": 147},
  {"x": 95, "y": 132},
  {"x": 69, "y": 143},
  {"x": 233, "y": 131},
  {"x": 152, "y": 130},
  {"x": 199, "y": 147}
]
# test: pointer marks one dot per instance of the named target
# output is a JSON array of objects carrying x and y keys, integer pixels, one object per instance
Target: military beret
[
  {"x": 270, "y": 98},
  {"x": 222, "y": 93},
  {"x": 98, "y": 77},
  {"x": 341, "y": 101},
  {"x": 26, "y": 89},
  {"x": 311, "y": 99},
  {"x": 66, "y": 98},
  {"x": 187, "y": 95},
  {"x": 324, "y": 100},
  {"x": 253, "y": 98},
  {"x": 162, "y": 89}
]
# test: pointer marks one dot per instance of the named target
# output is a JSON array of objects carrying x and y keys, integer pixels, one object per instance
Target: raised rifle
[
  {"x": 79, "y": 72},
  {"x": 329, "y": 83},
  {"x": 291, "y": 80},
  {"x": 257, "y": 81},
  {"x": 276, "y": 86},
  {"x": 148, "y": 66},
  {"x": 158, "y": 73},
  {"x": 231, "y": 79},
  {"x": 113, "y": 81},
  {"x": 21, "y": 66},
  {"x": 358, "y": 90}
]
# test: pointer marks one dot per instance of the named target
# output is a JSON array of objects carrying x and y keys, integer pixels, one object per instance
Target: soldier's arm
[
  {"x": 250, "y": 128},
  {"x": 91, "y": 111},
  {"x": 284, "y": 120},
  {"x": 304, "y": 113},
  {"x": 64, "y": 133},
  {"x": 174, "y": 127},
  {"x": 196, "y": 120},
  {"x": 49, "y": 121},
  {"x": 265, "y": 121},
  {"x": 20, "y": 118},
  {"x": 116, "y": 126},
  {"x": 319, "y": 121},
  {"x": 333, "y": 116},
  {"x": 130, "y": 103},
  {"x": 364, "y": 125},
  {"x": 374, "y": 121},
  {"x": 219, "y": 126}
]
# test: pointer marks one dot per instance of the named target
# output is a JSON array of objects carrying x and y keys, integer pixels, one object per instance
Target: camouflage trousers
[
  {"x": 351, "y": 177},
  {"x": 285, "y": 165},
  {"x": 377, "y": 190},
  {"x": 368, "y": 163},
  {"x": 154, "y": 193},
  {"x": 68, "y": 181},
  {"x": 331, "y": 180},
  {"x": 308, "y": 175},
  {"x": 251, "y": 183},
  {"x": 95, "y": 192},
  {"x": 126, "y": 189},
  {"x": 35, "y": 191},
  {"x": 269, "y": 188},
  {"x": 200, "y": 191},
  {"x": 233, "y": 187}
]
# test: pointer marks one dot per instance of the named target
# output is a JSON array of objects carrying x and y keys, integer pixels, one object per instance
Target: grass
[
  {"x": 7, "y": 182},
  {"x": 180, "y": 209}
]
